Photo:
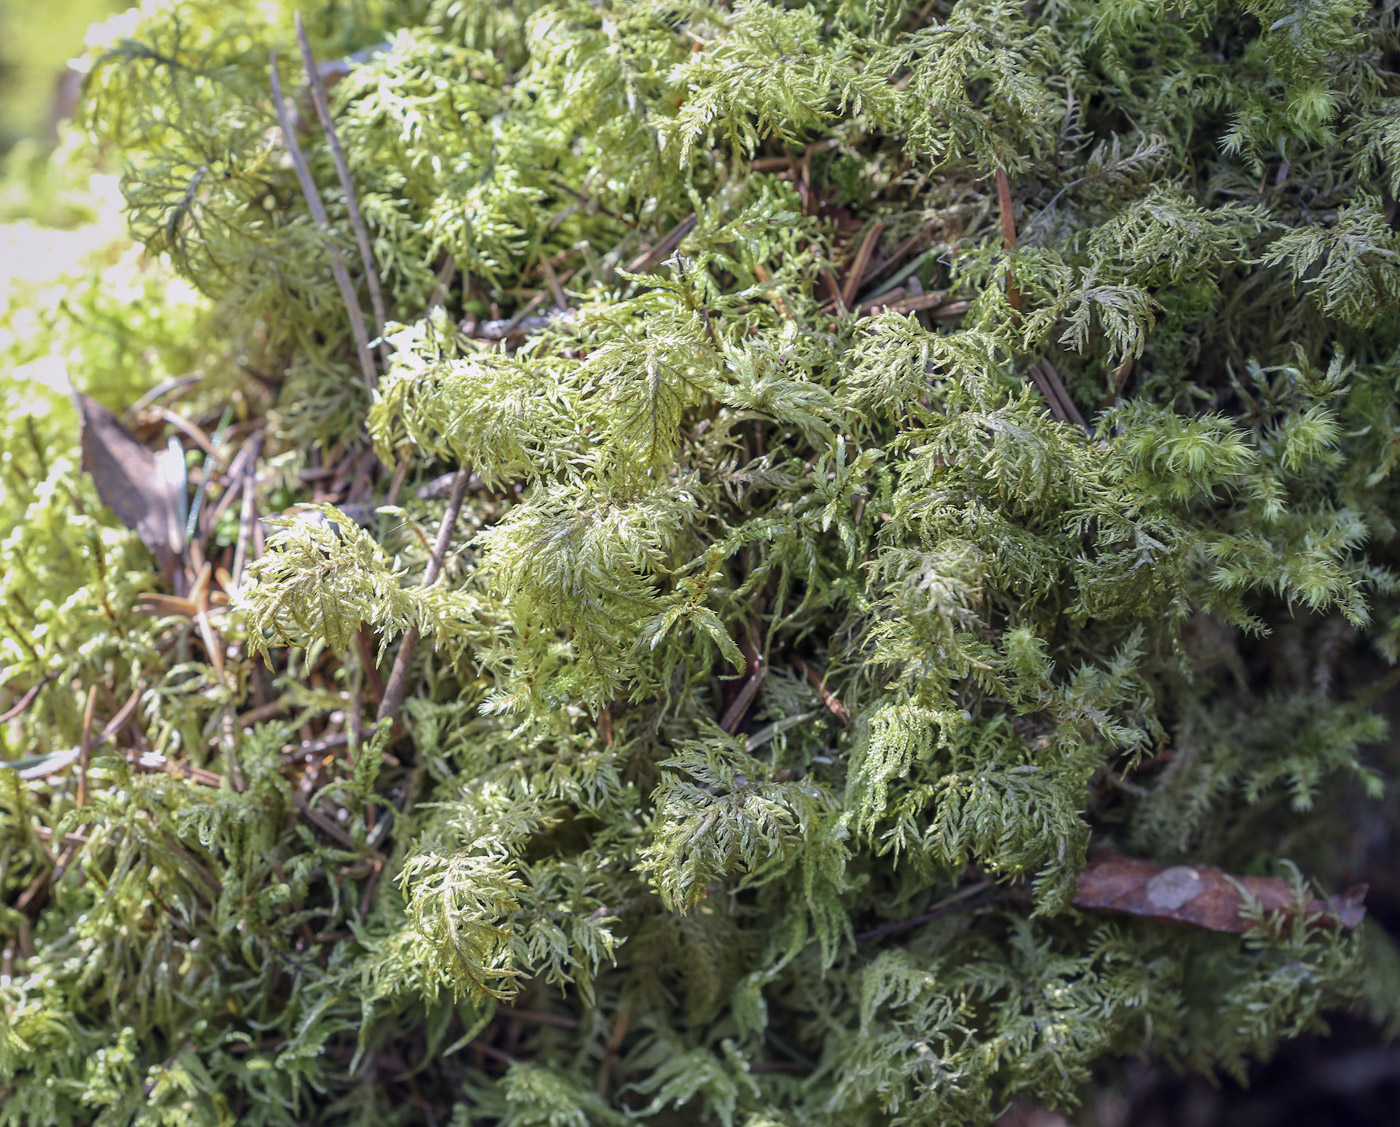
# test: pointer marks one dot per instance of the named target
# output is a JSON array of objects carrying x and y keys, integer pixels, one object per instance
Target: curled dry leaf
[
  {"x": 145, "y": 489},
  {"x": 1202, "y": 896}
]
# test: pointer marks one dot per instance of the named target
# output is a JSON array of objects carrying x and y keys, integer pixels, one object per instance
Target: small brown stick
[
  {"x": 818, "y": 680},
  {"x": 73, "y": 839},
  {"x": 347, "y": 185},
  {"x": 952, "y": 309},
  {"x": 248, "y": 514},
  {"x": 841, "y": 306},
  {"x": 540, "y": 1018},
  {"x": 1008, "y": 234},
  {"x": 153, "y": 761},
  {"x": 1120, "y": 378},
  {"x": 861, "y": 263},
  {"x": 25, "y": 701},
  {"x": 614, "y": 1044},
  {"x": 560, "y": 301},
  {"x": 658, "y": 253},
  {"x": 262, "y": 712},
  {"x": 86, "y": 753},
  {"x": 1053, "y": 388},
  {"x": 945, "y": 907},
  {"x": 317, "y": 207},
  {"x": 325, "y": 825},
  {"x": 491, "y": 1051},
  {"x": 392, "y": 700},
  {"x": 396, "y": 485},
  {"x": 366, "y": 652},
  {"x": 758, "y": 671}
]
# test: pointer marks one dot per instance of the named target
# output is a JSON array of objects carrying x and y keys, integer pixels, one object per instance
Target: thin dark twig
[
  {"x": 85, "y": 754},
  {"x": 957, "y": 902},
  {"x": 1071, "y": 411},
  {"x": 658, "y": 253},
  {"x": 398, "y": 677},
  {"x": 1008, "y": 234},
  {"x": 318, "y": 213},
  {"x": 25, "y": 701},
  {"x": 248, "y": 512},
  {"x": 347, "y": 185}
]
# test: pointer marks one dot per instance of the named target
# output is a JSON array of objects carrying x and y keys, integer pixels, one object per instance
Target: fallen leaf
[
  {"x": 146, "y": 490},
  {"x": 1202, "y": 896}
]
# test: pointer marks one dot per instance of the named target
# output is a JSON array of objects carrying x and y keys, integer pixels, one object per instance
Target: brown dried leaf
[
  {"x": 144, "y": 489},
  {"x": 1201, "y": 896}
]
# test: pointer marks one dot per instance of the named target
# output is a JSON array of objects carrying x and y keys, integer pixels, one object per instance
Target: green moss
[{"x": 768, "y": 621}]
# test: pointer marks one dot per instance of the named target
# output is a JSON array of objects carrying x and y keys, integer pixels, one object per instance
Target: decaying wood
[{"x": 1202, "y": 896}]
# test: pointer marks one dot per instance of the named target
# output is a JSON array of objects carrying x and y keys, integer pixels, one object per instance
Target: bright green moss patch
[{"x": 839, "y": 537}]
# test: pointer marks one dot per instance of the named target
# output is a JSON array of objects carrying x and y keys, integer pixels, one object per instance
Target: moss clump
[{"x": 877, "y": 451}]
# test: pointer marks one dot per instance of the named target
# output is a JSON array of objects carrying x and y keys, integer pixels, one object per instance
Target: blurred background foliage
[{"x": 36, "y": 42}]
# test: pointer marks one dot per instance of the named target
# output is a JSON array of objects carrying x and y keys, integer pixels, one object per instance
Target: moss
[{"x": 880, "y": 451}]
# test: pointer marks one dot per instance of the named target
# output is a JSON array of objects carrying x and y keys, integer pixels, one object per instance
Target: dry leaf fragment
[
  {"x": 1201, "y": 896},
  {"x": 146, "y": 490}
]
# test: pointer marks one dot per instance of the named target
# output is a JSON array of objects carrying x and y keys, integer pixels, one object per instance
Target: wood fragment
[
  {"x": 861, "y": 263},
  {"x": 538, "y": 1017},
  {"x": 552, "y": 280},
  {"x": 1008, "y": 234},
  {"x": 317, "y": 207},
  {"x": 1203, "y": 896},
  {"x": 921, "y": 301},
  {"x": 830, "y": 282},
  {"x": 739, "y": 707}
]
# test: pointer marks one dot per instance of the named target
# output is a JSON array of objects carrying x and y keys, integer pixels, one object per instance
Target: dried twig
[
  {"x": 85, "y": 753},
  {"x": 394, "y": 692},
  {"x": 347, "y": 185},
  {"x": 818, "y": 680},
  {"x": 1008, "y": 234},
  {"x": 552, "y": 279},
  {"x": 248, "y": 514},
  {"x": 1056, "y": 395},
  {"x": 862, "y": 261},
  {"x": 318, "y": 213},
  {"x": 25, "y": 701},
  {"x": 610, "y": 1056},
  {"x": 659, "y": 253},
  {"x": 945, "y": 907},
  {"x": 734, "y": 714}
]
